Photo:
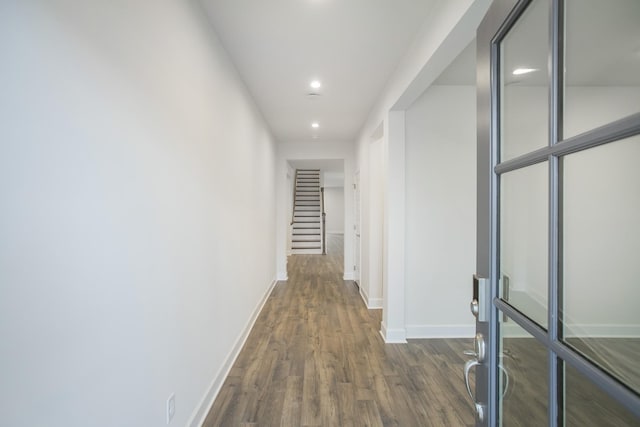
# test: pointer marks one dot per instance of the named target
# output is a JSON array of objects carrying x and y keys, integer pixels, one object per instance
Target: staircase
[{"x": 306, "y": 222}]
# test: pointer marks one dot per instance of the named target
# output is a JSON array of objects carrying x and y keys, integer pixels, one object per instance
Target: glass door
[{"x": 559, "y": 214}]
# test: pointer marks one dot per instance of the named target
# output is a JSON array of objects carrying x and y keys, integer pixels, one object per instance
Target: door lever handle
[
  {"x": 467, "y": 369},
  {"x": 480, "y": 408}
]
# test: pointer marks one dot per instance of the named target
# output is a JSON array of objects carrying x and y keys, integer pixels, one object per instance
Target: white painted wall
[
  {"x": 312, "y": 151},
  {"x": 291, "y": 186},
  {"x": 334, "y": 208},
  {"x": 602, "y": 240},
  {"x": 440, "y": 212},
  {"x": 134, "y": 168},
  {"x": 449, "y": 30},
  {"x": 602, "y": 198},
  {"x": 371, "y": 286},
  {"x": 333, "y": 179}
]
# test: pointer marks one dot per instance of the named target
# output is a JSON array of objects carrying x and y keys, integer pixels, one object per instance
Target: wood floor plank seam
[{"x": 315, "y": 358}]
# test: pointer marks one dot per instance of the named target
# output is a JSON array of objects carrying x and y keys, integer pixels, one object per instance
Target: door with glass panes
[{"x": 558, "y": 214}]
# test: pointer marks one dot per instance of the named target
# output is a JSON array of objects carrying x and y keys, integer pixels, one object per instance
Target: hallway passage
[{"x": 315, "y": 357}]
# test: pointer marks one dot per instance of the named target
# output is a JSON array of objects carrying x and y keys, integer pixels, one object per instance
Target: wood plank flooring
[{"x": 315, "y": 358}]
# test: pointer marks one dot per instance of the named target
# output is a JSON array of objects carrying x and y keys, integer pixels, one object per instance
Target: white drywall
[
  {"x": 371, "y": 286},
  {"x": 334, "y": 208},
  {"x": 440, "y": 212},
  {"x": 320, "y": 151},
  {"x": 601, "y": 202},
  {"x": 137, "y": 187},
  {"x": 449, "y": 30}
]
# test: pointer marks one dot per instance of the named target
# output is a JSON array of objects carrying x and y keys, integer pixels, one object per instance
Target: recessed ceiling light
[
  {"x": 315, "y": 125},
  {"x": 519, "y": 71},
  {"x": 315, "y": 84}
]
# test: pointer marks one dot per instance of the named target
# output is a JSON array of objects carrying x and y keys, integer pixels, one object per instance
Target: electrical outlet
[{"x": 171, "y": 407}]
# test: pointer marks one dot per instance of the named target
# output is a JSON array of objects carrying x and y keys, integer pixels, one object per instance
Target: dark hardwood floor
[{"x": 315, "y": 358}]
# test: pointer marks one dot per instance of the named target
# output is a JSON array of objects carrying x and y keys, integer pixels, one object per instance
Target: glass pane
[
  {"x": 525, "y": 83},
  {"x": 524, "y": 209},
  {"x": 524, "y": 386},
  {"x": 587, "y": 405},
  {"x": 602, "y": 63},
  {"x": 601, "y": 264}
]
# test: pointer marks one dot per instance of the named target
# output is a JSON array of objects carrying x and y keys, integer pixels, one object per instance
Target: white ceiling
[
  {"x": 602, "y": 47},
  {"x": 352, "y": 46}
]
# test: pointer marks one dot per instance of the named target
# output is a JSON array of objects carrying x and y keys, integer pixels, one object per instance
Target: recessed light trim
[
  {"x": 315, "y": 125},
  {"x": 315, "y": 84},
  {"x": 523, "y": 70}
]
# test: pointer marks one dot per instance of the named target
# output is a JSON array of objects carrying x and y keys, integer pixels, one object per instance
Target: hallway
[{"x": 315, "y": 357}]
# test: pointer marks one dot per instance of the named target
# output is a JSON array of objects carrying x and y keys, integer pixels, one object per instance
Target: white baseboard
[
  {"x": 374, "y": 303},
  {"x": 371, "y": 303},
  {"x": 282, "y": 276},
  {"x": 440, "y": 331},
  {"x": 512, "y": 330},
  {"x": 603, "y": 331},
  {"x": 199, "y": 415},
  {"x": 364, "y": 297},
  {"x": 348, "y": 276},
  {"x": 393, "y": 336}
]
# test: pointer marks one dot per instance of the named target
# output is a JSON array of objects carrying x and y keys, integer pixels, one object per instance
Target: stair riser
[
  {"x": 305, "y": 245},
  {"x": 305, "y": 239}
]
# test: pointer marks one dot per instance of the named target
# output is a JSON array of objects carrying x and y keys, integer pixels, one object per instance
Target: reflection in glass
[
  {"x": 602, "y": 63},
  {"x": 587, "y": 405},
  {"x": 601, "y": 264},
  {"x": 523, "y": 240},
  {"x": 525, "y": 83},
  {"x": 524, "y": 385}
]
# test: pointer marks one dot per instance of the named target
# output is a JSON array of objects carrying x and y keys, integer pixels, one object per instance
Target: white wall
[
  {"x": 449, "y": 30},
  {"x": 601, "y": 198},
  {"x": 291, "y": 174},
  {"x": 371, "y": 286},
  {"x": 133, "y": 170},
  {"x": 312, "y": 151},
  {"x": 334, "y": 208},
  {"x": 440, "y": 212}
]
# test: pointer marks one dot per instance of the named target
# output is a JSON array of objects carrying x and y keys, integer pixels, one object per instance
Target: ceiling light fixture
[
  {"x": 519, "y": 71},
  {"x": 315, "y": 84},
  {"x": 315, "y": 125}
]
